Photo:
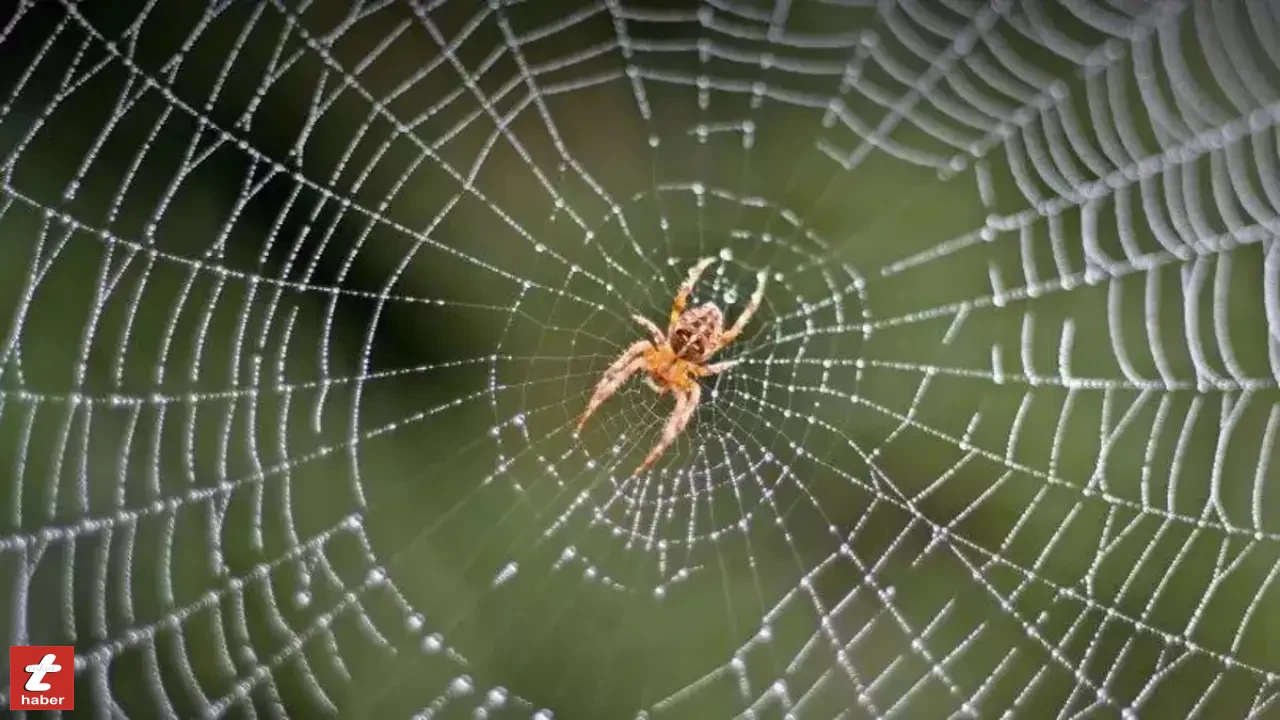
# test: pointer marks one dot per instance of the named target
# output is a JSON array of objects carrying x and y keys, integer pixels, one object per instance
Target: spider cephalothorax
[{"x": 676, "y": 358}]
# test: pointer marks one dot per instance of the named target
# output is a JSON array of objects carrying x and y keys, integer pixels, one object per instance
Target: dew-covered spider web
[{"x": 300, "y": 302}]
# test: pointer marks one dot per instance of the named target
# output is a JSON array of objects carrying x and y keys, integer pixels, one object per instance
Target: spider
[{"x": 676, "y": 358}]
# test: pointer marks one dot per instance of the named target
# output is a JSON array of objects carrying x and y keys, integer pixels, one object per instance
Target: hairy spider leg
[
  {"x": 715, "y": 368},
  {"x": 659, "y": 340},
  {"x": 652, "y": 327},
  {"x": 686, "y": 403},
  {"x": 631, "y": 361},
  {"x": 750, "y": 310},
  {"x": 686, "y": 289}
]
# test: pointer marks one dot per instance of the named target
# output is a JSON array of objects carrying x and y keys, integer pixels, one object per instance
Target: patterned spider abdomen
[
  {"x": 680, "y": 343},
  {"x": 696, "y": 332}
]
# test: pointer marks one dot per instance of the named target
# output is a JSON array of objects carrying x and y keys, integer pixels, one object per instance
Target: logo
[{"x": 42, "y": 677}]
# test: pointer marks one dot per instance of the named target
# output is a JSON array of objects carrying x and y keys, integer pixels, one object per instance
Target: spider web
[{"x": 303, "y": 299}]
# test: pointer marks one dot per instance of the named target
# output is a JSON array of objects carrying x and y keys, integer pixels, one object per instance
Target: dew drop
[
  {"x": 507, "y": 572},
  {"x": 462, "y": 685},
  {"x": 497, "y": 697},
  {"x": 432, "y": 643}
]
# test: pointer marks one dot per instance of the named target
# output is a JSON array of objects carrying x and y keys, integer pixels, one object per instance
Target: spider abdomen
[{"x": 695, "y": 331}]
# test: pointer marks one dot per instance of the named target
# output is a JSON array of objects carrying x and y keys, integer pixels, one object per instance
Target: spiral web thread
[{"x": 999, "y": 440}]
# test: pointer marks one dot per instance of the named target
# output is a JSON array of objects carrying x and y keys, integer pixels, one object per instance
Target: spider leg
[
  {"x": 631, "y": 360},
  {"x": 655, "y": 386},
  {"x": 652, "y": 327},
  {"x": 686, "y": 289},
  {"x": 686, "y": 404},
  {"x": 750, "y": 310},
  {"x": 716, "y": 368}
]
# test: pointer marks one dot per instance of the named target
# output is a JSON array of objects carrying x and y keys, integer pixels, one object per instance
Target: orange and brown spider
[{"x": 675, "y": 359}]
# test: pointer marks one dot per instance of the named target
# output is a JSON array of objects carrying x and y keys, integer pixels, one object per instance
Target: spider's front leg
[
  {"x": 716, "y": 368},
  {"x": 654, "y": 331},
  {"x": 686, "y": 289},
  {"x": 631, "y": 360},
  {"x": 747, "y": 313},
  {"x": 686, "y": 403}
]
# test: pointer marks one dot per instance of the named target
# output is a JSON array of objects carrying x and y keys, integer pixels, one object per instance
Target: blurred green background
[{"x": 300, "y": 303}]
